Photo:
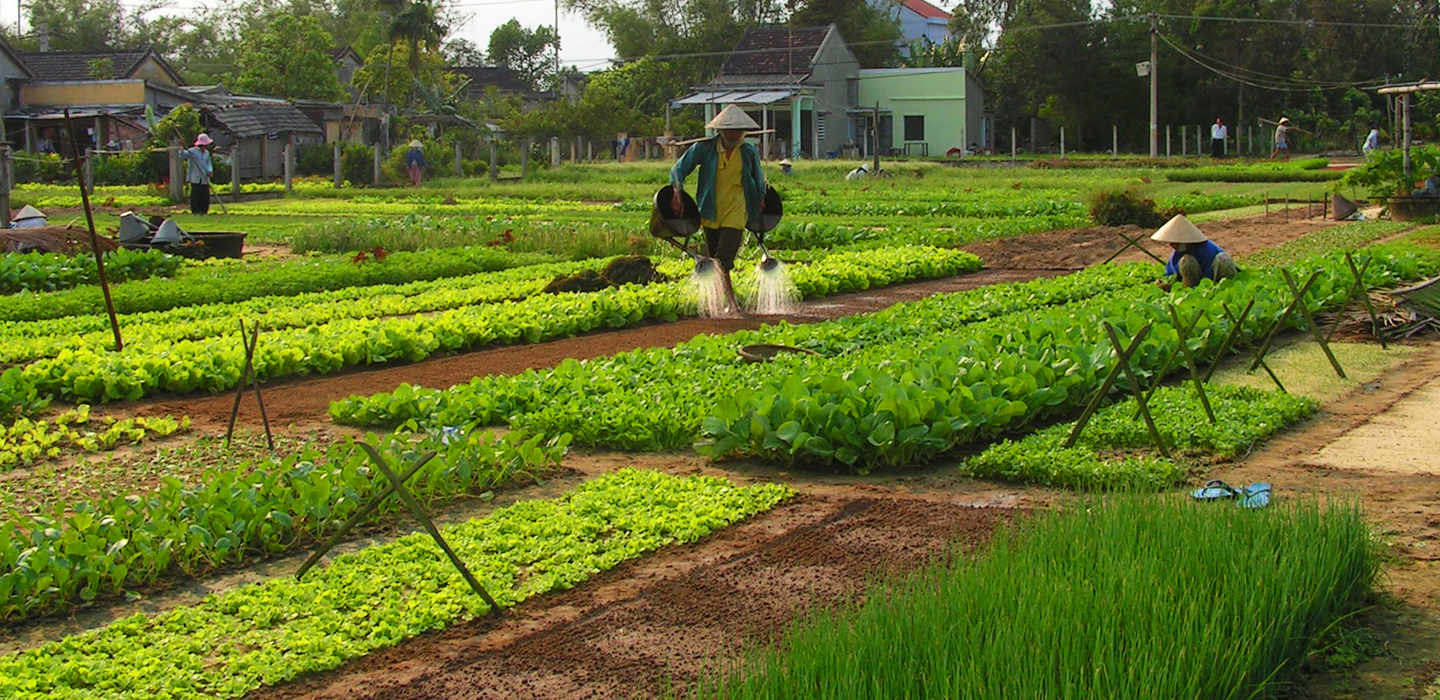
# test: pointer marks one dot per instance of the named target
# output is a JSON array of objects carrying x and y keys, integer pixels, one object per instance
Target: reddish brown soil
[
  {"x": 665, "y": 618},
  {"x": 304, "y": 402}
]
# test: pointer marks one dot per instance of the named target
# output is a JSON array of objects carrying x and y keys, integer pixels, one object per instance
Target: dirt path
[
  {"x": 664, "y": 618},
  {"x": 1379, "y": 445},
  {"x": 303, "y": 402}
]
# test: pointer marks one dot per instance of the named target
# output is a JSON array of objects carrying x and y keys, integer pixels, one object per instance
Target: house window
[
  {"x": 915, "y": 127},
  {"x": 820, "y": 125}
]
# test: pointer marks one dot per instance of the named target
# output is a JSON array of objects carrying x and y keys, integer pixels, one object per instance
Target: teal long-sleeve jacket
[{"x": 705, "y": 156}]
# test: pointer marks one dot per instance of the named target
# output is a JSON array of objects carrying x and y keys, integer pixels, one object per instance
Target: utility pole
[
  {"x": 1154, "y": 90},
  {"x": 558, "y": 86}
]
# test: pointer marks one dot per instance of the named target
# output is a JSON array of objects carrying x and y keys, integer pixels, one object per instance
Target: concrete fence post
[
  {"x": 336, "y": 157},
  {"x": 494, "y": 161},
  {"x": 235, "y": 170},
  {"x": 1062, "y": 142},
  {"x": 1184, "y": 139},
  {"x": 1167, "y": 140},
  {"x": 525, "y": 147},
  {"x": 554, "y": 151},
  {"x": 90, "y": 155},
  {"x": 1114, "y": 141},
  {"x": 1012, "y": 144},
  {"x": 289, "y": 160},
  {"x": 459, "y": 163},
  {"x": 177, "y": 185},
  {"x": 377, "y": 152}
]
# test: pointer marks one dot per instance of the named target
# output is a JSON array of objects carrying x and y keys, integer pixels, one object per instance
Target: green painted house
[{"x": 923, "y": 111}]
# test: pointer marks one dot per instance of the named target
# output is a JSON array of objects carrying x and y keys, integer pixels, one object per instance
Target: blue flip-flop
[
  {"x": 1214, "y": 490},
  {"x": 1256, "y": 495}
]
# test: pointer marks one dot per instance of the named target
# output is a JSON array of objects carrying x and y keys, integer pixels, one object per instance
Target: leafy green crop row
[
  {"x": 232, "y": 514},
  {"x": 982, "y": 363},
  {"x": 1244, "y": 417},
  {"x": 890, "y": 406},
  {"x": 210, "y": 285},
  {"x": 214, "y": 364},
  {"x": 1308, "y": 170},
  {"x": 30, "y": 272},
  {"x": 656, "y": 398},
  {"x": 26, "y": 442},
  {"x": 25, "y": 341},
  {"x": 1125, "y": 598},
  {"x": 235, "y": 642}
]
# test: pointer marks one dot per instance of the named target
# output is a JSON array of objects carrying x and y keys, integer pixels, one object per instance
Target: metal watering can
[{"x": 667, "y": 224}]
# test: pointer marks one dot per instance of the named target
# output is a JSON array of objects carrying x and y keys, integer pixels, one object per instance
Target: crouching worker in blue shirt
[{"x": 1195, "y": 258}]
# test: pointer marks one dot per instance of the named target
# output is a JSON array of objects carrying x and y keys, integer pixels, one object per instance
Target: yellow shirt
[{"x": 729, "y": 193}]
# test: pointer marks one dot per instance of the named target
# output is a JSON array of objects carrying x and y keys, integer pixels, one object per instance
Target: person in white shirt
[
  {"x": 1372, "y": 141},
  {"x": 1218, "y": 133}
]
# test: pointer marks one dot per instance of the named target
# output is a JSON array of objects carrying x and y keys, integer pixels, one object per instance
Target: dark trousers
[
  {"x": 199, "y": 198},
  {"x": 1217, "y": 148}
]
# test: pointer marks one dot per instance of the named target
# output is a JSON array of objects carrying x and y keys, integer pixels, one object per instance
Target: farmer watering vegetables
[
  {"x": 1195, "y": 258},
  {"x": 730, "y": 189},
  {"x": 199, "y": 172}
]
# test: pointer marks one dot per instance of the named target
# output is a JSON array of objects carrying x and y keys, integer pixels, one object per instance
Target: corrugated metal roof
[{"x": 249, "y": 120}]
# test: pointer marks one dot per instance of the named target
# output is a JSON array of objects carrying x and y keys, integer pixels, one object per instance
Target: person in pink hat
[{"x": 198, "y": 173}]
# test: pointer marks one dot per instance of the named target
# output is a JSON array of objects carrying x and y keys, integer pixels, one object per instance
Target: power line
[
  {"x": 1262, "y": 83},
  {"x": 1294, "y": 22}
]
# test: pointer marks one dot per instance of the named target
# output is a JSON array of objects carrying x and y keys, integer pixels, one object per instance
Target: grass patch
[
  {"x": 1115, "y": 451},
  {"x": 1305, "y": 371},
  {"x": 1129, "y": 597},
  {"x": 1428, "y": 236}
]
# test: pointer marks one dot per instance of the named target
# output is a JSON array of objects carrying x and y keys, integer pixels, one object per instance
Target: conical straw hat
[
  {"x": 732, "y": 117},
  {"x": 1179, "y": 230},
  {"x": 29, "y": 212}
]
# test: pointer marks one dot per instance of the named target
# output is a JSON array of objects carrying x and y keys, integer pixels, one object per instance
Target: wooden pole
[
  {"x": 94, "y": 240},
  {"x": 5, "y": 185}
]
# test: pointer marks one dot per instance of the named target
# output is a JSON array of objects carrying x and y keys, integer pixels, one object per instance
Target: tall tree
[
  {"x": 528, "y": 52},
  {"x": 291, "y": 59},
  {"x": 873, "y": 34},
  {"x": 462, "y": 52}
]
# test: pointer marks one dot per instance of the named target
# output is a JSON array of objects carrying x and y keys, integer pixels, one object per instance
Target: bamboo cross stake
[
  {"x": 1235, "y": 326},
  {"x": 1359, "y": 289},
  {"x": 1190, "y": 358},
  {"x": 1169, "y": 363},
  {"x": 1310, "y": 321},
  {"x": 247, "y": 376},
  {"x": 1123, "y": 361},
  {"x": 1123, "y": 355},
  {"x": 1136, "y": 243},
  {"x": 1279, "y": 322},
  {"x": 397, "y": 487}
]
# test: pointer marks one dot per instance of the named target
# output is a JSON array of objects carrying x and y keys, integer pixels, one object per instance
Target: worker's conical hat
[
  {"x": 732, "y": 117},
  {"x": 29, "y": 212},
  {"x": 1179, "y": 230}
]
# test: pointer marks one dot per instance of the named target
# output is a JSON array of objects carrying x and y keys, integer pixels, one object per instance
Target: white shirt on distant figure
[
  {"x": 1219, "y": 132},
  {"x": 1372, "y": 141}
]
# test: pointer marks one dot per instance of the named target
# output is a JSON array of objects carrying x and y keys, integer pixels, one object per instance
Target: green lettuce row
[
  {"x": 792, "y": 235},
  {"x": 32, "y": 340},
  {"x": 894, "y": 406},
  {"x": 267, "y": 633},
  {"x": 27, "y": 442},
  {"x": 205, "y": 285},
  {"x": 946, "y": 201},
  {"x": 214, "y": 364},
  {"x": 50, "y": 271},
  {"x": 233, "y": 514},
  {"x": 1244, "y": 417},
  {"x": 656, "y": 398}
]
